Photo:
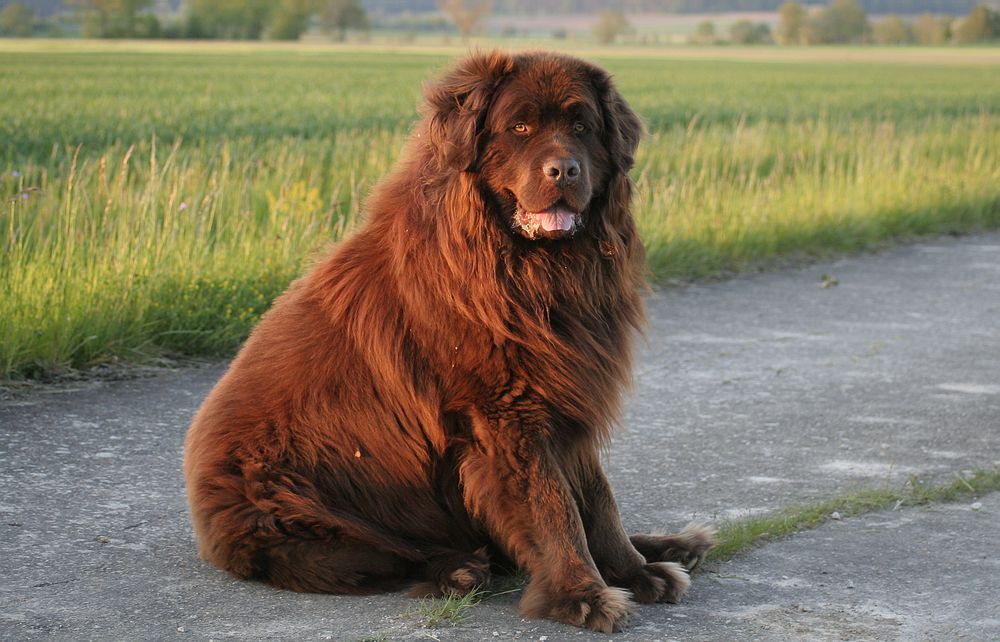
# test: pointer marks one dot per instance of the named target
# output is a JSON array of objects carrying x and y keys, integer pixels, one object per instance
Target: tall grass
[
  {"x": 142, "y": 250},
  {"x": 157, "y": 201},
  {"x": 729, "y": 198}
]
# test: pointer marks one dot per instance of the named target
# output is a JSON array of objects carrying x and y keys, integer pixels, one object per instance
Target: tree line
[
  {"x": 593, "y": 7},
  {"x": 838, "y": 22},
  {"x": 845, "y": 22},
  {"x": 229, "y": 19},
  {"x": 214, "y": 19}
]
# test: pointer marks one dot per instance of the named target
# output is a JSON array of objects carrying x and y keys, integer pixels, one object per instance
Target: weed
[
  {"x": 449, "y": 610},
  {"x": 742, "y": 534}
]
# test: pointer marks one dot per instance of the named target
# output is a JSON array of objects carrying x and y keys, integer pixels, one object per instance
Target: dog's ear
[
  {"x": 457, "y": 106},
  {"x": 622, "y": 127}
]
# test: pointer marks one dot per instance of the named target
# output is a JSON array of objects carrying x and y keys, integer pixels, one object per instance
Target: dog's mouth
[{"x": 554, "y": 222}]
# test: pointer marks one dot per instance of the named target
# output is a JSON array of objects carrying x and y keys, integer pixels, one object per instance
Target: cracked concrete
[{"x": 750, "y": 395}]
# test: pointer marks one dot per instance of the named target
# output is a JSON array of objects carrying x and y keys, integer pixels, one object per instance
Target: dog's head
[{"x": 545, "y": 132}]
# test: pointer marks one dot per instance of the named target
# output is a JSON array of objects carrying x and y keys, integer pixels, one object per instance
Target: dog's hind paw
[
  {"x": 687, "y": 548},
  {"x": 659, "y": 582},
  {"x": 454, "y": 574}
]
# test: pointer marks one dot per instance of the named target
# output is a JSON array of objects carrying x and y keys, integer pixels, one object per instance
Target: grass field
[{"x": 156, "y": 198}]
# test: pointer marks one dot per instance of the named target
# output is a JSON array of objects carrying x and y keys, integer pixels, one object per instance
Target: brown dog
[{"x": 434, "y": 394}]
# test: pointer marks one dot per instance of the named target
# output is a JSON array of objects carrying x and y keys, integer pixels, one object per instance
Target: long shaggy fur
[{"x": 435, "y": 392}]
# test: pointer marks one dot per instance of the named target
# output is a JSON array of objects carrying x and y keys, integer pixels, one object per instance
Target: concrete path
[{"x": 750, "y": 395}]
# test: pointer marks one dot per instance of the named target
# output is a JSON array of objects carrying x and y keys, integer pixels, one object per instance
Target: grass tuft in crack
[
  {"x": 447, "y": 610},
  {"x": 738, "y": 536},
  {"x": 453, "y": 609}
]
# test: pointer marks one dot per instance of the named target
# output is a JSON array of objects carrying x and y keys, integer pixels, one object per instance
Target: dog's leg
[
  {"x": 271, "y": 524},
  {"x": 513, "y": 483},
  {"x": 650, "y": 580},
  {"x": 331, "y": 566}
]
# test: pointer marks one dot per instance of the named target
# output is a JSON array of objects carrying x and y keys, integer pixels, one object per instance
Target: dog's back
[{"x": 315, "y": 451}]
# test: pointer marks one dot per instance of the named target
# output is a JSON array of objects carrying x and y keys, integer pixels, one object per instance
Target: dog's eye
[
  {"x": 520, "y": 128},
  {"x": 579, "y": 128}
]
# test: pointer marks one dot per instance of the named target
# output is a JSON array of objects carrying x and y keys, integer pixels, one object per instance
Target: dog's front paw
[
  {"x": 599, "y": 608},
  {"x": 687, "y": 548},
  {"x": 659, "y": 582}
]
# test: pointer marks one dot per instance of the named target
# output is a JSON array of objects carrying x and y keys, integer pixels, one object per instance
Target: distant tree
[
  {"x": 110, "y": 18},
  {"x": 892, "y": 30},
  {"x": 744, "y": 32},
  {"x": 466, "y": 16},
  {"x": 236, "y": 19},
  {"x": 741, "y": 32},
  {"x": 289, "y": 19},
  {"x": 17, "y": 19},
  {"x": 610, "y": 25},
  {"x": 131, "y": 14},
  {"x": 148, "y": 26},
  {"x": 337, "y": 16},
  {"x": 704, "y": 33},
  {"x": 791, "y": 20},
  {"x": 929, "y": 29},
  {"x": 841, "y": 21},
  {"x": 981, "y": 25}
]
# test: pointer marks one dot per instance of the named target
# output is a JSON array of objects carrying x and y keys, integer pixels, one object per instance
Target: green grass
[
  {"x": 730, "y": 198},
  {"x": 740, "y": 535},
  {"x": 154, "y": 200}
]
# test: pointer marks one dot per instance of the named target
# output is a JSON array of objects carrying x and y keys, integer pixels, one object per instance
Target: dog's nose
[{"x": 562, "y": 170}]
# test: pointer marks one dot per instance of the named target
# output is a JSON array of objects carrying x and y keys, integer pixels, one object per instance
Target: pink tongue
[{"x": 558, "y": 219}]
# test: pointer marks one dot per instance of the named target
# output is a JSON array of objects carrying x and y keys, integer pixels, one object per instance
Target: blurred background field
[{"x": 158, "y": 196}]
